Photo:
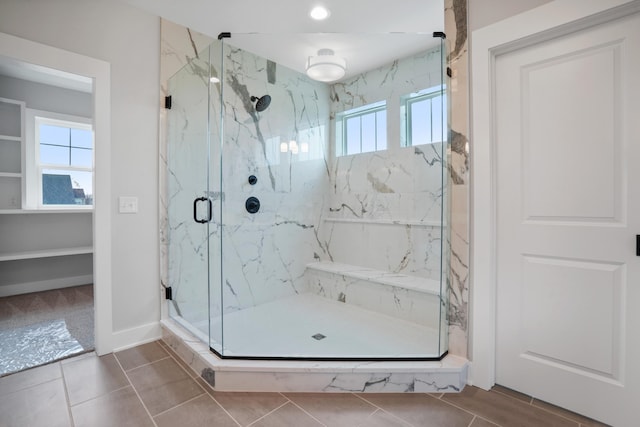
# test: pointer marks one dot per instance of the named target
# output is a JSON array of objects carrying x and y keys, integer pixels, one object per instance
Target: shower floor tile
[{"x": 308, "y": 325}]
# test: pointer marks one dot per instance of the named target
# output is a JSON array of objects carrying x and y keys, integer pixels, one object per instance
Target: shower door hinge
[
  {"x": 449, "y": 73},
  {"x": 225, "y": 35},
  {"x": 168, "y": 294},
  {"x": 167, "y": 102},
  {"x": 439, "y": 34}
]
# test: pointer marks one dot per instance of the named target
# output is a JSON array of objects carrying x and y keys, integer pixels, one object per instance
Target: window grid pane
[
  {"x": 65, "y": 163},
  {"x": 362, "y": 131},
  {"x": 54, "y": 155},
  {"x": 425, "y": 118}
]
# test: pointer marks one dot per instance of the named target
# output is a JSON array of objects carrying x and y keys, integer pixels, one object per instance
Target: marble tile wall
[
  {"x": 386, "y": 206},
  {"x": 459, "y": 287},
  {"x": 260, "y": 142},
  {"x": 265, "y": 254}
]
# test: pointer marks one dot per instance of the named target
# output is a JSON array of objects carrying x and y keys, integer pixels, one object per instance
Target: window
[
  {"x": 424, "y": 117},
  {"x": 362, "y": 130},
  {"x": 59, "y": 161}
]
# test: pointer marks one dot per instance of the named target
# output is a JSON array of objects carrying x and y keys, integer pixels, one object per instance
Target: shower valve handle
[{"x": 209, "y": 210}]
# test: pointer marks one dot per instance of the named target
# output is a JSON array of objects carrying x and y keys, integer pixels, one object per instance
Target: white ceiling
[
  {"x": 367, "y": 33},
  {"x": 39, "y": 74}
]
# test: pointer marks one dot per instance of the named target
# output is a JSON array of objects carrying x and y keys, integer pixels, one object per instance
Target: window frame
[
  {"x": 359, "y": 112},
  {"x": 406, "y": 101},
  {"x": 33, "y": 166}
]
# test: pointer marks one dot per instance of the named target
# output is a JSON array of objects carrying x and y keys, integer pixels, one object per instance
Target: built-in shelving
[
  {"x": 46, "y": 253},
  {"x": 11, "y": 153}
]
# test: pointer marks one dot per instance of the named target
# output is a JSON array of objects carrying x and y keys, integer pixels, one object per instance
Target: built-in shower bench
[{"x": 412, "y": 298}]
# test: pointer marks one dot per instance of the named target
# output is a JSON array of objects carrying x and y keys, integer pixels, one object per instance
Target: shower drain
[{"x": 318, "y": 336}]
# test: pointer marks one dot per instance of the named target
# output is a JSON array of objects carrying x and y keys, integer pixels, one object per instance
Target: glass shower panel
[
  {"x": 445, "y": 229},
  {"x": 187, "y": 165},
  {"x": 274, "y": 178},
  {"x": 215, "y": 193},
  {"x": 326, "y": 255}
]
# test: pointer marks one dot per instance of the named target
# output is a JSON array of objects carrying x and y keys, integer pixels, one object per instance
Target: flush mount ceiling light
[
  {"x": 319, "y": 13},
  {"x": 326, "y": 67}
]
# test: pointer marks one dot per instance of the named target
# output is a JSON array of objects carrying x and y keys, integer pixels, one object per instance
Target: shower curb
[{"x": 446, "y": 376}]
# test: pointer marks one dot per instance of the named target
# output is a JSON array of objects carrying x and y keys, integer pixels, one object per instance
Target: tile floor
[{"x": 148, "y": 386}]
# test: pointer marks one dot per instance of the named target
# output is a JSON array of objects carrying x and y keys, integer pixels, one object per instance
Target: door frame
[
  {"x": 551, "y": 20},
  {"x": 100, "y": 72}
]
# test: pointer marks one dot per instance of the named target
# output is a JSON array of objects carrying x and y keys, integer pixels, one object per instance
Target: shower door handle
[{"x": 209, "y": 210}]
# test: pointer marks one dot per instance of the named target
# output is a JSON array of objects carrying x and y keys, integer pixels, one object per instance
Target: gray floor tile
[
  {"x": 504, "y": 410},
  {"x": 29, "y": 378},
  {"x": 420, "y": 409},
  {"x": 163, "y": 385},
  {"x": 201, "y": 411},
  {"x": 247, "y": 407},
  {"x": 288, "y": 415},
  {"x": 90, "y": 377},
  {"x": 43, "y": 405},
  {"x": 141, "y": 355},
  {"x": 334, "y": 409},
  {"x": 120, "y": 408},
  {"x": 381, "y": 418}
]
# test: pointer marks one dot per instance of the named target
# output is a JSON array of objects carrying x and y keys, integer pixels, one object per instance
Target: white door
[{"x": 568, "y": 210}]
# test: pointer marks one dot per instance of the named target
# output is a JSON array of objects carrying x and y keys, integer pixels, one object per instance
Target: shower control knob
[
  {"x": 252, "y": 205},
  {"x": 253, "y": 179}
]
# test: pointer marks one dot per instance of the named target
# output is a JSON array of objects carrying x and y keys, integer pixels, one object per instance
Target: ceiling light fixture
[
  {"x": 319, "y": 13},
  {"x": 326, "y": 67}
]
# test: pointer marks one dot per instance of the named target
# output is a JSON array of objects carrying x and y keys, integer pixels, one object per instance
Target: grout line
[
  {"x": 66, "y": 394},
  {"x": 303, "y": 410},
  {"x": 180, "y": 404},
  {"x": 269, "y": 413},
  {"x": 142, "y": 366},
  {"x": 136, "y": 392},
  {"x": 378, "y": 408},
  {"x": 195, "y": 379},
  {"x": 459, "y": 407},
  {"x": 102, "y": 395},
  {"x": 531, "y": 401},
  {"x": 472, "y": 420},
  {"x": 557, "y": 414}
]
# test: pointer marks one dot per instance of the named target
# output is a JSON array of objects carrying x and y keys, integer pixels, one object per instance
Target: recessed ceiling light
[{"x": 319, "y": 13}]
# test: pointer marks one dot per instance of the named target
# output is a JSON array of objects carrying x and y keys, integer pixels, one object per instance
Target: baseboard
[
  {"x": 45, "y": 285},
  {"x": 128, "y": 338}
]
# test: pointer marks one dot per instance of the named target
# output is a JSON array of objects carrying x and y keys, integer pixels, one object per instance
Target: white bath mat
[{"x": 35, "y": 345}]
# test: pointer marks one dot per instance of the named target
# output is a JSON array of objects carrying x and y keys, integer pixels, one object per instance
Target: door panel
[{"x": 567, "y": 126}]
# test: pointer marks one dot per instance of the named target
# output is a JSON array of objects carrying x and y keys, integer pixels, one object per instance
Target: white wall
[
  {"x": 129, "y": 40},
  {"x": 48, "y": 98},
  {"x": 485, "y": 12}
]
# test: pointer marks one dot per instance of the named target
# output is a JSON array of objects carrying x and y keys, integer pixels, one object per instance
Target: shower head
[{"x": 262, "y": 103}]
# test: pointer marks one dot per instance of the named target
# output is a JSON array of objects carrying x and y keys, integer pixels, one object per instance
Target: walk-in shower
[{"x": 316, "y": 228}]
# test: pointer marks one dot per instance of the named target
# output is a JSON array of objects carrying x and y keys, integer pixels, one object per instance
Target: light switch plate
[{"x": 128, "y": 204}]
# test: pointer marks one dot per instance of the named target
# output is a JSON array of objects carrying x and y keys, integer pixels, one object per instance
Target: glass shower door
[{"x": 187, "y": 196}]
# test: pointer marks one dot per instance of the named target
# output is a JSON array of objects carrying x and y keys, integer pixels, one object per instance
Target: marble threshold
[{"x": 448, "y": 375}]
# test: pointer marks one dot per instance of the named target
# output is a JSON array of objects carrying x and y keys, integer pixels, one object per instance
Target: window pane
[
  {"x": 420, "y": 122},
  {"x": 81, "y": 138},
  {"x": 58, "y": 135},
  {"x": 436, "y": 105},
  {"x": 381, "y": 119},
  {"x": 54, "y": 155},
  {"x": 81, "y": 157},
  {"x": 368, "y": 132},
  {"x": 64, "y": 187},
  {"x": 353, "y": 135}
]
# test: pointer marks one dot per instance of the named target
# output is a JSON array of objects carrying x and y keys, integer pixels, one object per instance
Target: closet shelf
[
  {"x": 10, "y": 138},
  {"x": 45, "y": 253}
]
